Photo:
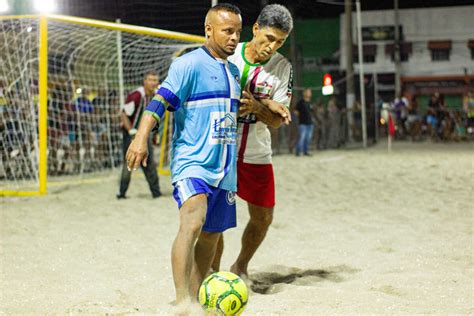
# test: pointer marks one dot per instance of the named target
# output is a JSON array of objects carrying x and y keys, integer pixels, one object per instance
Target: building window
[
  {"x": 440, "y": 50},
  {"x": 440, "y": 54},
  {"x": 369, "y": 59},
  {"x": 368, "y": 51},
  {"x": 470, "y": 45},
  {"x": 405, "y": 51}
]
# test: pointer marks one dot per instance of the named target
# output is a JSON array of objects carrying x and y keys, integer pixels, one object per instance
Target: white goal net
[{"x": 91, "y": 68}]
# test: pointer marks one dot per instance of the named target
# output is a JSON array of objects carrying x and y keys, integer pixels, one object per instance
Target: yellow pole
[{"x": 43, "y": 103}]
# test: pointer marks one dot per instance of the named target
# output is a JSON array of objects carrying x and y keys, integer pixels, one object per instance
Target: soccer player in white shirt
[{"x": 266, "y": 82}]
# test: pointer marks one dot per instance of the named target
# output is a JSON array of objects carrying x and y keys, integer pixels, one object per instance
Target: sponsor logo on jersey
[
  {"x": 263, "y": 90},
  {"x": 223, "y": 128}
]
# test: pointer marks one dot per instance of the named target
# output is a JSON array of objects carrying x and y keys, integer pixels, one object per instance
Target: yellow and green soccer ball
[{"x": 224, "y": 293}]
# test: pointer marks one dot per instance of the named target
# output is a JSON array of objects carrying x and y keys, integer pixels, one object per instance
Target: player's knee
[
  {"x": 209, "y": 239},
  {"x": 192, "y": 225},
  {"x": 263, "y": 218}
]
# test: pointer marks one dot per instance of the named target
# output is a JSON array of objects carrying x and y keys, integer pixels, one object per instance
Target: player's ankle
[{"x": 239, "y": 269}]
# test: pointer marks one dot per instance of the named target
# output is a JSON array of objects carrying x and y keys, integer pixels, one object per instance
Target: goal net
[{"x": 91, "y": 67}]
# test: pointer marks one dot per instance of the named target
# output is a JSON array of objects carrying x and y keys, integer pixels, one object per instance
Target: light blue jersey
[{"x": 204, "y": 93}]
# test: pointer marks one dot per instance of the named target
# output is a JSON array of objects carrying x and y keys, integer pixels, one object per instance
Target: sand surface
[{"x": 355, "y": 232}]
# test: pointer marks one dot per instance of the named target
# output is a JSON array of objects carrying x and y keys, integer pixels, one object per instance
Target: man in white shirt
[{"x": 266, "y": 82}]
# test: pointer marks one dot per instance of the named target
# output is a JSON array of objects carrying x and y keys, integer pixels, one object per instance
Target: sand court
[{"x": 355, "y": 232}]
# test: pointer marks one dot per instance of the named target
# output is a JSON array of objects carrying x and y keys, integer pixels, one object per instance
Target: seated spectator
[
  {"x": 399, "y": 107},
  {"x": 413, "y": 122}
]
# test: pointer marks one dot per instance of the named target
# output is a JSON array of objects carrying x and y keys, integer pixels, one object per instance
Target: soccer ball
[{"x": 224, "y": 293}]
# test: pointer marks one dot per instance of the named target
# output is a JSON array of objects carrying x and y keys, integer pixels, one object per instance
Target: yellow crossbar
[{"x": 114, "y": 26}]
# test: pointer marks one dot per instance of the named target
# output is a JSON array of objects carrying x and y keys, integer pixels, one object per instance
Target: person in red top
[{"x": 130, "y": 116}]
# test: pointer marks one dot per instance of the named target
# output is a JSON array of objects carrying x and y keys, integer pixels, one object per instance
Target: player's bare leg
[
  {"x": 204, "y": 252},
  {"x": 254, "y": 233},
  {"x": 191, "y": 218},
  {"x": 216, "y": 263}
]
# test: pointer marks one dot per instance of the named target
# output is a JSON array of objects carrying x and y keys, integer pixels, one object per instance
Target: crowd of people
[
  {"x": 326, "y": 126},
  {"x": 439, "y": 122},
  {"x": 83, "y": 131}
]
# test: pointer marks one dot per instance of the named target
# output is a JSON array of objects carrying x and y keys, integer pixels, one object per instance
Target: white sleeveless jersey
[{"x": 272, "y": 79}]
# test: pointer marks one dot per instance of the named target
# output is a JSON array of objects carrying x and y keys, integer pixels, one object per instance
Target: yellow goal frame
[{"x": 43, "y": 82}]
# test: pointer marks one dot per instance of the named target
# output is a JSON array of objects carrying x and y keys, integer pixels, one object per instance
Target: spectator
[
  {"x": 334, "y": 115},
  {"x": 432, "y": 115},
  {"x": 320, "y": 116},
  {"x": 468, "y": 108},
  {"x": 399, "y": 107},
  {"x": 305, "y": 123},
  {"x": 413, "y": 122},
  {"x": 136, "y": 102}
]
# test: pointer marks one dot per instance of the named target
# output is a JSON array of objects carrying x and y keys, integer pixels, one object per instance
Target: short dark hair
[
  {"x": 150, "y": 73},
  {"x": 277, "y": 16},
  {"x": 224, "y": 6}
]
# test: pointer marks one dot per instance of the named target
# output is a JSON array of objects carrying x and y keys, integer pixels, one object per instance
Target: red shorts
[{"x": 256, "y": 184}]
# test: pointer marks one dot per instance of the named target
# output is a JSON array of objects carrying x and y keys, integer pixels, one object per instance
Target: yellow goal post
[{"x": 63, "y": 83}]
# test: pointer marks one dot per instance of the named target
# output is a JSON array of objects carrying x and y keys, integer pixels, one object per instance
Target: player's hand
[
  {"x": 137, "y": 153},
  {"x": 248, "y": 103},
  {"x": 278, "y": 108}
]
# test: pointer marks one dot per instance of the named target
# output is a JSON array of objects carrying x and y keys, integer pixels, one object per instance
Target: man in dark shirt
[
  {"x": 305, "y": 123},
  {"x": 130, "y": 116}
]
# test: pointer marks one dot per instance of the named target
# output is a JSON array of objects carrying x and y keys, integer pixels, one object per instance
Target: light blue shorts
[{"x": 221, "y": 213}]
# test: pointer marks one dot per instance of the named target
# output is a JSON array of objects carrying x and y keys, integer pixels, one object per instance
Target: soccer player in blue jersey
[{"x": 203, "y": 91}]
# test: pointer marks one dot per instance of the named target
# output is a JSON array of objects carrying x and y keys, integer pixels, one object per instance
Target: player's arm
[
  {"x": 279, "y": 108},
  {"x": 263, "y": 110},
  {"x": 281, "y": 98},
  {"x": 127, "y": 125},
  {"x": 133, "y": 100},
  {"x": 137, "y": 152}
]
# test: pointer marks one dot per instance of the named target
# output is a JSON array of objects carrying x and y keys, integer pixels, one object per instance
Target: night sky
[{"x": 188, "y": 15}]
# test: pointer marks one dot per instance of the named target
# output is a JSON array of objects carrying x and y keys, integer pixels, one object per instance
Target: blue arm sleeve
[{"x": 173, "y": 91}]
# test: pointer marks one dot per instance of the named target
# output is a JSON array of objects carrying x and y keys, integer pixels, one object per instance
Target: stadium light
[
  {"x": 4, "y": 8},
  {"x": 45, "y": 6}
]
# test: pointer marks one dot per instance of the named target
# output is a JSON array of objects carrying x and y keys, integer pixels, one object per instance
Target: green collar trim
[{"x": 248, "y": 62}]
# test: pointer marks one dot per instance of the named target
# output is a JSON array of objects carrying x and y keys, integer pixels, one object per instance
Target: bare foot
[
  {"x": 240, "y": 271},
  {"x": 243, "y": 274},
  {"x": 187, "y": 308}
]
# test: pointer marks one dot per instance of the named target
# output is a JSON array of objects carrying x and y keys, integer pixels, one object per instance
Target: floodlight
[
  {"x": 4, "y": 7},
  {"x": 45, "y": 6}
]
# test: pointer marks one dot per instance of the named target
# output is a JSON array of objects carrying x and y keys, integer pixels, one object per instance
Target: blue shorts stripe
[{"x": 221, "y": 212}]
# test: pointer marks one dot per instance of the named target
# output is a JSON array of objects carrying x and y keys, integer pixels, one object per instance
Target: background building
[{"x": 436, "y": 50}]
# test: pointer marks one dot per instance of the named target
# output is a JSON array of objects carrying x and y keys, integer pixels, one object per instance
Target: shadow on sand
[{"x": 267, "y": 282}]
